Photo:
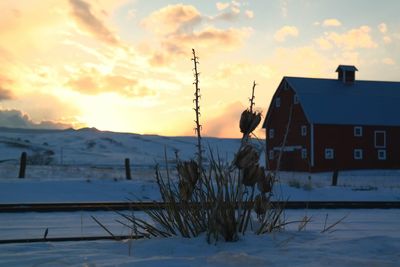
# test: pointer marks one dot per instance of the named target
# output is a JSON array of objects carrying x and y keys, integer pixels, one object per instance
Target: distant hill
[{"x": 89, "y": 146}]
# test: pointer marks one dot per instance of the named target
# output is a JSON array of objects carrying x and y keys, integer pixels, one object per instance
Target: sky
[{"x": 125, "y": 65}]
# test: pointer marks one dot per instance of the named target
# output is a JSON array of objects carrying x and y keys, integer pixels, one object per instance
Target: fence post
[
  {"x": 335, "y": 177},
  {"x": 127, "y": 169},
  {"x": 22, "y": 165}
]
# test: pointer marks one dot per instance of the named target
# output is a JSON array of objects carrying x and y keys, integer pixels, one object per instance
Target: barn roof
[{"x": 330, "y": 101}]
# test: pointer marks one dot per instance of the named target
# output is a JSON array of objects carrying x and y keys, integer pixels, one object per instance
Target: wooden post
[
  {"x": 127, "y": 169},
  {"x": 22, "y": 165},
  {"x": 335, "y": 177}
]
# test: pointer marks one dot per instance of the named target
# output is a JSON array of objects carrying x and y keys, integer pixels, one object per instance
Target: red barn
[{"x": 334, "y": 124}]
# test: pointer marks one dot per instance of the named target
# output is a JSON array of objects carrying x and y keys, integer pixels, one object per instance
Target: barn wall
[
  {"x": 277, "y": 119},
  {"x": 341, "y": 138}
]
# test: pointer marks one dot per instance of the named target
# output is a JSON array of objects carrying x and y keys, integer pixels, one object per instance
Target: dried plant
[{"x": 222, "y": 200}]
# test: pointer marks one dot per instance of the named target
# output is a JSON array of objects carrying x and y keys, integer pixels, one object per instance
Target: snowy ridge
[{"x": 90, "y": 146}]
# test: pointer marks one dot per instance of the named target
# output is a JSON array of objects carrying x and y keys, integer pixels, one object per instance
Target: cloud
[
  {"x": 172, "y": 19},
  {"x": 350, "y": 40},
  {"x": 382, "y": 28},
  {"x": 13, "y": 118},
  {"x": 284, "y": 32},
  {"x": 230, "y": 15},
  {"x": 331, "y": 23},
  {"x": 388, "y": 61},
  {"x": 222, "y": 6},
  {"x": 210, "y": 37},
  {"x": 83, "y": 15},
  {"x": 249, "y": 14},
  {"x": 91, "y": 82},
  {"x": 225, "y": 124},
  {"x": 179, "y": 28},
  {"x": 5, "y": 94},
  {"x": 387, "y": 39},
  {"x": 323, "y": 43}
]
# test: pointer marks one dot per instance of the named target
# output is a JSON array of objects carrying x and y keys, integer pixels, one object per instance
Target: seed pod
[
  {"x": 246, "y": 157},
  {"x": 188, "y": 171},
  {"x": 185, "y": 190},
  {"x": 264, "y": 184},
  {"x": 252, "y": 174},
  {"x": 260, "y": 204},
  {"x": 249, "y": 121}
]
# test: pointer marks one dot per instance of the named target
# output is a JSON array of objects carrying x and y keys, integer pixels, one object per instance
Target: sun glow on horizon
[{"x": 125, "y": 65}]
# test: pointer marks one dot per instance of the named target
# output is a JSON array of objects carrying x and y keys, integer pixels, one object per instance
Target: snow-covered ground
[
  {"x": 47, "y": 191},
  {"x": 363, "y": 238},
  {"x": 87, "y": 166}
]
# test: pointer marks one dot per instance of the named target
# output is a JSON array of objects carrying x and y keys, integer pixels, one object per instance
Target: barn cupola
[{"x": 346, "y": 73}]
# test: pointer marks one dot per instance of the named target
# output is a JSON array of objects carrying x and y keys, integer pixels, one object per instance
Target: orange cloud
[
  {"x": 172, "y": 19},
  {"x": 331, "y": 23},
  {"x": 354, "y": 38},
  {"x": 175, "y": 25},
  {"x": 284, "y": 32},
  {"x": 82, "y": 12},
  {"x": 383, "y": 28},
  {"x": 5, "y": 93},
  {"x": 92, "y": 82},
  {"x": 388, "y": 61},
  {"x": 249, "y": 14},
  {"x": 226, "y": 124},
  {"x": 222, "y": 6}
]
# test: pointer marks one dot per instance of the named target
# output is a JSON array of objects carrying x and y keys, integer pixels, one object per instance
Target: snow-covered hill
[{"x": 92, "y": 147}]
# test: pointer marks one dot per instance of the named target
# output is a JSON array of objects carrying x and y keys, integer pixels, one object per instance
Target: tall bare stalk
[
  {"x": 196, "y": 100},
  {"x": 217, "y": 200}
]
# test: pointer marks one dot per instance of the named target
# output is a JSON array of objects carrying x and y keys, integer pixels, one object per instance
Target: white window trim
[
  {"x": 295, "y": 99},
  {"x": 304, "y": 153},
  {"x": 271, "y": 134},
  {"x": 330, "y": 151},
  {"x": 357, "y": 154},
  {"x": 358, "y": 131},
  {"x": 384, "y": 154},
  {"x": 277, "y": 102},
  {"x": 303, "y": 130},
  {"x": 384, "y": 139}
]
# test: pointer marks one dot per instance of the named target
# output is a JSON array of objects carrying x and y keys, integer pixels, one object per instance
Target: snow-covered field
[
  {"x": 87, "y": 166},
  {"x": 363, "y": 238}
]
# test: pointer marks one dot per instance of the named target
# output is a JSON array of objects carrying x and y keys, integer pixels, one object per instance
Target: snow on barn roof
[{"x": 330, "y": 101}]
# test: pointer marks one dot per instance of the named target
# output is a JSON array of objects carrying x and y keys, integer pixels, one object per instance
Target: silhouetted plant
[{"x": 222, "y": 200}]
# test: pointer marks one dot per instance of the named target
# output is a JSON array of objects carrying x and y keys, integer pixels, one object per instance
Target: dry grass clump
[{"x": 222, "y": 200}]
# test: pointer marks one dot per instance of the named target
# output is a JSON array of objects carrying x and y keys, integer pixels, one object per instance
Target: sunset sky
[{"x": 124, "y": 65}]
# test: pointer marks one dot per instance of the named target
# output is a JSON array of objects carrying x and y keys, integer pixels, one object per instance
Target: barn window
[
  {"x": 382, "y": 154},
  {"x": 303, "y": 130},
  {"x": 271, "y": 154},
  {"x": 358, "y": 131},
  {"x": 304, "y": 153},
  {"x": 329, "y": 153},
  {"x": 358, "y": 154},
  {"x": 295, "y": 99},
  {"x": 380, "y": 139},
  {"x": 278, "y": 102},
  {"x": 271, "y": 133}
]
